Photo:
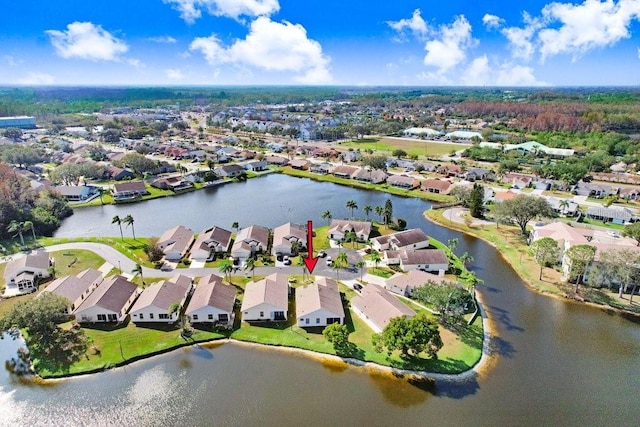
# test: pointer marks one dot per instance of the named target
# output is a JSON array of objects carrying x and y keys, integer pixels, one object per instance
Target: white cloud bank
[
  {"x": 86, "y": 40},
  {"x": 270, "y": 46},
  {"x": 415, "y": 25},
  {"x": 191, "y": 10},
  {"x": 36, "y": 79}
]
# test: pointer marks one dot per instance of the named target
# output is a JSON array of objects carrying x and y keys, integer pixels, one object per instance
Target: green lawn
[{"x": 420, "y": 148}]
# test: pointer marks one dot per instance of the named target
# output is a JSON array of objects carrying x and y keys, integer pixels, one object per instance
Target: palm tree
[
  {"x": 16, "y": 227},
  {"x": 295, "y": 247},
  {"x": 129, "y": 221},
  {"x": 250, "y": 264},
  {"x": 375, "y": 257},
  {"x": 465, "y": 259},
  {"x": 28, "y": 225},
  {"x": 388, "y": 211},
  {"x": 564, "y": 206},
  {"x": 361, "y": 264},
  {"x": 327, "y": 215},
  {"x": 138, "y": 270},
  {"x": 452, "y": 244},
  {"x": 116, "y": 220},
  {"x": 352, "y": 237},
  {"x": 367, "y": 210},
  {"x": 351, "y": 204},
  {"x": 226, "y": 267},
  {"x": 100, "y": 193},
  {"x": 341, "y": 261},
  {"x": 379, "y": 210}
]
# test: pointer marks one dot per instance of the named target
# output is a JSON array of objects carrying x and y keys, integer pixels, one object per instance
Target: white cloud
[
  {"x": 517, "y": 75},
  {"x": 174, "y": 74},
  {"x": 271, "y": 46},
  {"x": 478, "y": 73},
  {"x": 87, "y": 41},
  {"x": 639, "y": 52},
  {"x": 12, "y": 61},
  {"x": 580, "y": 28},
  {"x": 492, "y": 21},
  {"x": 415, "y": 24},
  {"x": 163, "y": 39},
  {"x": 135, "y": 63},
  {"x": 36, "y": 79},
  {"x": 450, "y": 49},
  {"x": 190, "y": 10},
  {"x": 521, "y": 39}
]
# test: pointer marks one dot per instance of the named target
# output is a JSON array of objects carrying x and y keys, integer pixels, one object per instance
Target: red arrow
[{"x": 310, "y": 261}]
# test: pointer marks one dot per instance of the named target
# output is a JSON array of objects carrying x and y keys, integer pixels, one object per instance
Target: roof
[
  {"x": 614, "y": 213},
  {"x": 323, "y": 294},
  {"x": 344, "y": 170},
  {"x": 37, "y": 260},
  {"x": 212, "y": 292},
  {"x": 164, "y": 293},
  {"x": 130, "y": 186},
  {"x": 424, "y": 256},
  {"x": 215, "y": 236},
  {"x": 380, "y": 306},
  {"x": 272, "y": 290},
  {"x": 560, "y": 232},
  {"x": 505, "y": 195},
  {"x": 112, "y": 294},
  {"x": 344, "y": 226},
  {"x": 72, "y": 287},
  {"x": 299, "y": 163},
  {"x": 440, "y": 184},
  {"x": 176, "y": 238},
  {"x": 414, "y": 279},
  {"x": 287, "y": 232},
  {"x": 399, "y": 179},
  {"x": 253, "y": 233},
  {"x": 408, "y": 237}
]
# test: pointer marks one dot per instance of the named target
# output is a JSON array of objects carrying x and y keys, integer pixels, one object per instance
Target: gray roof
[
  {"x": 272, "y": 290},
  {"x": 112, "y": 294},
  {"x": 37, "y": 260},
  {"x": 164, "y": 293},
  {"x": 323, "y": 294},
  {"x": 380, "y": 306},
  {"x": 424, "y": 256},
  {"x": 211, "y": 292}
]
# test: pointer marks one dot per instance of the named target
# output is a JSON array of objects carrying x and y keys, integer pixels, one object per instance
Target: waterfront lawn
[
  {"x": 111, "y": 346},
  {"x": 133, "y": 249}
]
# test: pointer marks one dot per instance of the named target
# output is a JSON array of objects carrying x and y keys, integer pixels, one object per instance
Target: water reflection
[{"x": 400, "y": 391}]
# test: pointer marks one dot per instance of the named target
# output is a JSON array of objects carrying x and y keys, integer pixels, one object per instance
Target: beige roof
[
  {"x": 211, "y": 292},
  {"x": 380, "y": 306},
  {"x": 288, "y": 232},
  {"x": 72, "y": 287},
  {"x": 414, "y": 279},
  {"x": 440, "y": 184},
  {"x": 176, "y": 239},
  {"x": 561, "y": 232},
  {"x": 321, "y": 295},
  {"x": 408, "y": 237},
  {"x": 406, "y": 180},
  {"x": 424, "y": 256},
  {"x": 164, "y": 293},
  {"x": 273, "y": 290},
  {"x": 344, "y": 226},
  {"x": 213, "y": 237},
  {"x": 344, "y": 170},
  {"x": 38, "y": 260},
  {"x": 253, "y": 233},
  {"x": 112, "y": 294}
]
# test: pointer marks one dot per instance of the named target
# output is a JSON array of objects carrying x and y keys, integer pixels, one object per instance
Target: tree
[
  {"x": 236, "y": 226},
  {"x": 129, "y": 221},
  {"x": 399, "y": 153},
  {"x": 226, "y": 267},
  {"x": 13, "y": 133},
  {"x": 116, "y": 220},
  {"x": 379, "y": 210},
  {"x": 632, "y": 231},
  {"x": 153, "y": 251},
  {"x": 50, "y": 344},
  {"x": 410, "y": 336},
  {"x": 466, "y": 258},
  {"x": 462, "y": 194},
  {"x": 137, "y": 270},
  {"x": 17, "y": 227},
  {"x": 351, "y": 204},
  {"x": 375, "y": 257},
  {"x": 375, "y": 162},
  {"x": 616, "y": 267},
  {"x": 361, "y": 266},
  {"x": 545, "y": 251},
  {"x": 341, "y": 261},
  {"x": 452, "y": 244},
  {"x": 326, "y": 215},
  {"x": 523, "y": 208},
  {"x": 28, "y": 225},
  {"x": 338, "y": 336},
  {"x": 446, "y": 298},
  {"x": 367, "y": 210},
  {"x": 352, "y": 237},
  {"x": 580, "y": 256},
  {"x": 476, "y": 201},
  {"x": 388, "y": 211},
  {"x": 250, "y": 264}
]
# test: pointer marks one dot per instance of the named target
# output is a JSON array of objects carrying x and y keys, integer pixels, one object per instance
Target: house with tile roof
[
  {"x": 413, "y": 238},
  {"x": 212, "y": 302},
  {"x": 175, "y": 242},
  {"x": 22, "y": 274},
  {"x": 109, "y": 302},
  {"x": 284, "y": 237},
  {"x": 249, "y": 242},
  {"x": 405, "y": 283},
  {"x": 75, "y": 289},
  {"x": 319, "y": 304},
  {"x": 155, "y": 302},
  {"x": 266, "y": 299},
  {"x": 339, "y": 228},
  {"x": 376, "y": 306},
  {"x": 211, "y": 242}
]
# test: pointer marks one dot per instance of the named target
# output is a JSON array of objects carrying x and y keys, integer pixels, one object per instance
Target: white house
[
  {"x": 377, "y": 307},
  {"x": 76, "y": 288},
  {"x": 249, "y": 241},
  {"x": 212, "y": 301},
  {"x": 284, "y": 237},
  {"x": 155, "y": 302},
  {"x": 319, "y": 304},
  {"x": 175, "y": 242},
  {"x": 109, "y": 302},
  {"x": 338, "y": 229},
  {"x": 424, "y": 259},
  {"x": 210, "y": 242},
  {"x": 405, "y": 283},
  {"x": 21, "y": 275},
  {"x": 414, "y": 238},
  {"x": 267, "y": 299}
]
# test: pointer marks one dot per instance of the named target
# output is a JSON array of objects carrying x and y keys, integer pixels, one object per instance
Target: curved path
[{"x": 118, "y": 259}]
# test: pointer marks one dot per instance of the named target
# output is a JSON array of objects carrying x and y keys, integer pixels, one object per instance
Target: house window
[
  {"x": 150, "y": 315},
  {"x": 164, "y": 316},
  {"x": 262, "y": 314},
  {"x": 210, "y": 316},
  {"x": 112, "y": 317},
  {"x": 317, "y": 320},
  {"x": 195, "y": 317},
  {"x": 141, "y": 316},
  {"x": 223, "y": 317},
  {"x": 306, "y": 321},
  {"x": 102, "y": 318}
]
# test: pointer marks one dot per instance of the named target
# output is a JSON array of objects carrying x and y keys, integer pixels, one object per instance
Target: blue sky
[{"x": 296, "y": 42}]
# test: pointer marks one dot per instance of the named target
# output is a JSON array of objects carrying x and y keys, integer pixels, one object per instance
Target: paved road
[{"x": 119, "y": 260}]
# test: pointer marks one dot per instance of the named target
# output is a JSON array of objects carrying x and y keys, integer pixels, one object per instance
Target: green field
[{"x": 415, "y": 147}]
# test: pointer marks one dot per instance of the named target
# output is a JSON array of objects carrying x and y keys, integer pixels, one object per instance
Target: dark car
[{"x": 357, "y": 287}]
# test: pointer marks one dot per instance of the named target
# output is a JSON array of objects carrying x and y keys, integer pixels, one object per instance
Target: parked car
[
  {"x": 357, "y": 287},
  {"x": 322, "y": 254}
]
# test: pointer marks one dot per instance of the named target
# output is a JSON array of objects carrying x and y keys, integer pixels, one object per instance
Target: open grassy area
[
  {"x": 112, "y": 346},
  {"x": 133, "y": 249},
  {"x": 413, "y": 147}
]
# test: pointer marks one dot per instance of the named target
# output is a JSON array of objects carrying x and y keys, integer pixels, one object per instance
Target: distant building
[{"x": 20, "y": 122}]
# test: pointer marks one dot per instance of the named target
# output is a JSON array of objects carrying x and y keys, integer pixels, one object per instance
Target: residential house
[
  {"x": 76, "y": 193},
  {"x": 376, "y": 306},
  {"x": 288, "y": 236},
  {"x": 300, "y": 164},
  {"x": 257, "y": 166},
  {"x": 449, "y": 170},
  {"x": 501, "y": 196},
  {"x": 424, "y": 259},
  {"x": 211, "y": 242},
  {"x": 403, "y": 181},
  {"x": 479, "y": 174},
  {"x": 155, "y": 302},
  {"x": 118, "y": 174},
  {"x": 128, "y": 191},
  {"x": 229, "y": 171},
  {"x": 437, "y": 186},
  {"x": 518, "y": 180},
  {"x": 175, "y": 183},
  {"x": 320, "y": 168},
  {"x": 339, "y": 228},
  {"x": 613, "y": 215},
  {"x": 590, "y": 189},
  {"x": 344, "y": 171},
  {"x": 266, "y": 299},
  {"x": 212, "y": 302},
  {"x": 405, "y": 283},
  {"x": 21, "y": 274},
  {"x": 464, "y": 134},
  {"x": 563, "y": 207},
  {"x": 176, "y": 242},
  {"x": 374, "y": 176},
  {"x": 109, "y": 302},
  {"x": 277, "y": 160},
  {"x": 351, "y": 156},
  {"x": 75, "y": 288},
  {"x": 249, "y": 241},
  {"x": 629, "y": 193},
  {"x": 413, "y": 238},
  {"x": 319, "y": 304}
]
